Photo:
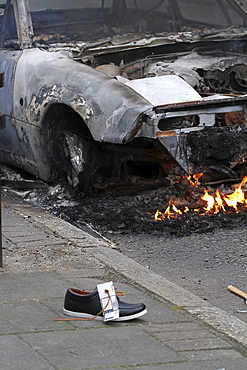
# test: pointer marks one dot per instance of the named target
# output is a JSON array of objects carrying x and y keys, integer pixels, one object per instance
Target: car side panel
[
  {"x": 103, "y": 102},
  {"x": 8, "y": 139},
  {"x": 109, "y": 108}
]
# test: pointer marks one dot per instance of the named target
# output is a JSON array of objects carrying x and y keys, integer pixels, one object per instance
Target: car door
[{"x": 10, "y": 52}]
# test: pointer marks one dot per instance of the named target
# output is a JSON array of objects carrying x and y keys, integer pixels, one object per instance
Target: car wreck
[{"x": 124, "y": 94}]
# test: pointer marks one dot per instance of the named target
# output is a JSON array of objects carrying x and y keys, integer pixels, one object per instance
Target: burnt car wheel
[
  {"x": 80, "y": 161},
  {"x": 72, "y": 152}
]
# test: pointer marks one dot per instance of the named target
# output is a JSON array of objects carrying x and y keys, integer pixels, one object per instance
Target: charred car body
[{"x": 122, "y": 93}]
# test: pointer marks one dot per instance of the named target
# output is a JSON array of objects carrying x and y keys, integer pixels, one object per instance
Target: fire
[
  {"x": 215, "y": 203},
  {"x": 194, "y": 179}
]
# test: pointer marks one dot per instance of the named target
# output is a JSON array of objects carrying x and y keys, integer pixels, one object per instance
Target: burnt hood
[{"x": 161, "y": 90}]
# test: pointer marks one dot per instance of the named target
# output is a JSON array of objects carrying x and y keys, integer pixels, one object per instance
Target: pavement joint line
[
  {"x": 139, "y": 275},
  {"x": 165, "y": 289},
  {"x": 58, "y": 226}
]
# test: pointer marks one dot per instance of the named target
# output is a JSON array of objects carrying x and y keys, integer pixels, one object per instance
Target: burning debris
[
  {"x": 132, "y": 215},
  {"x": 211, "y": 202}
]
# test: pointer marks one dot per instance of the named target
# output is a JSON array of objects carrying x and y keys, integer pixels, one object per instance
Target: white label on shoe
[{"x": 112, "y": 310}]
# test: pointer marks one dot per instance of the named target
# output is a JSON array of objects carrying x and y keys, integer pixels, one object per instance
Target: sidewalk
[{"x": 44, "y": 255}]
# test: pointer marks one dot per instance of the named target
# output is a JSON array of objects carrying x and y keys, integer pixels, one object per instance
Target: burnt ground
[{"x": 203, "y": 254}]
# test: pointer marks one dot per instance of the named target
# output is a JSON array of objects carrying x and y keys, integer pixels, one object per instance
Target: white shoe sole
[{"x": 88, "y": 316}]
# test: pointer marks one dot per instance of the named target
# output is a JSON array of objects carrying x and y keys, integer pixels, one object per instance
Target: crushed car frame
[{"x": 124, "y": 94}]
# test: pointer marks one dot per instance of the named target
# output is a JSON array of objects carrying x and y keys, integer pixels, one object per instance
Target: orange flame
[
  {"x": 193, "y": 180},
  {"x": 215, "y": 203}
]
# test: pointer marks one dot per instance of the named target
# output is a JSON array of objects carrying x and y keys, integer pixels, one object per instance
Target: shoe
[{"x": 87, "y": 305}]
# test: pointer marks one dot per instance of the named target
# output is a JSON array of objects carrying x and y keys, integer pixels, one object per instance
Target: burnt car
[{"x": 115, "y": 94}]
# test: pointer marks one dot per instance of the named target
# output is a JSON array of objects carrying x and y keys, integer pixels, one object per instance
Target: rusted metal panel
[
  {"x": 109, "y": 116},
  {"x": 23, "y": 23},
  {"x": 129, "y": 85}
]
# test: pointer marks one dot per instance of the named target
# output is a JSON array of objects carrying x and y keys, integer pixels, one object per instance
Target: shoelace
[{"x": 118, "y": 293}]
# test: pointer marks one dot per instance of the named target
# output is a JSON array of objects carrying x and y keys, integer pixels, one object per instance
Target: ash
[
  {"x": 201, "y": 254},
  {"x": 110, "y": 214}
]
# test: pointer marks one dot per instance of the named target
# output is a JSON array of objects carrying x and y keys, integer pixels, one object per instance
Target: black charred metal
[
  {"x": 2, "y": 114},
  {"x": 2, "y": 120},
  {"x": 218, "y": 147},
  {"x": 124, "y": 93},
  {"x": 195, "y": 105},
  {"x": 2, "y": 125}
]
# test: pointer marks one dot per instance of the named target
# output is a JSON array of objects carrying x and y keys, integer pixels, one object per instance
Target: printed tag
[{"x": 112, "y": 310}]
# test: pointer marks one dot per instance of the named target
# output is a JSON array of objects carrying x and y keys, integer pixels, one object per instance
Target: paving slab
[
  {"x": 212, "y": 354},
  {"x": 173, "y": 335},
  {"x": 32, "y": 285},
  {"x": 163, "y": 288},
  {"x": 28, "y": 316},
  {"x": 223, "y": 364},
  {"x": 16, "y": 354},
  {"x": 101, "y": 347}
]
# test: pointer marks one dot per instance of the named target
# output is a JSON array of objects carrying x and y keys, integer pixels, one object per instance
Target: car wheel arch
[{"x": 70, "y": 148}]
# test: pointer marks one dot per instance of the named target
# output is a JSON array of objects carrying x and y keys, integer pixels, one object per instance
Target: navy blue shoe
[{"x": 81, "y": 304}]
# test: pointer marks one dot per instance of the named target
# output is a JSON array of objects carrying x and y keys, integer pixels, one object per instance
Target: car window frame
[{"x": 23, "y": 23}]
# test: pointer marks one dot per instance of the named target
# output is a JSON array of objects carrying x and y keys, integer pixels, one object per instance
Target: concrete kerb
[
  {"x": 123, "y": 266},
  {"x": 58, "y": 226},
  {"x": 163, "y": 288}
]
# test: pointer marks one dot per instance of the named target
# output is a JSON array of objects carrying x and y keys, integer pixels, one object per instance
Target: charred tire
[
  {"x": 80, "y": 160},
  {"x": 72, "y": 152}
]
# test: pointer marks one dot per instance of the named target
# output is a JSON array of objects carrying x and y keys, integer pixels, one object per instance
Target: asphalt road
[{"x": 202, "y": 264}]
